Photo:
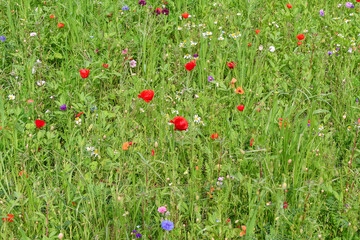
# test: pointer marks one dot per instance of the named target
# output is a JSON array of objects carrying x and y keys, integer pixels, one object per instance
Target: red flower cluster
[{"x": 180, "y": 123}]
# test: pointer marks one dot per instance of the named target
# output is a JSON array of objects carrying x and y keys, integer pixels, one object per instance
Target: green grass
[{"x": 53, "y": 184}]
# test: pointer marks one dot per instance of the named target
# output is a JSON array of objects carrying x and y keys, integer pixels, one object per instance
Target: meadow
[{"x": 179, "y": 119}]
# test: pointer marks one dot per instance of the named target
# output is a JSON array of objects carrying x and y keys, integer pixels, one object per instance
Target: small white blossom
[{"x": 11, "y": 97}]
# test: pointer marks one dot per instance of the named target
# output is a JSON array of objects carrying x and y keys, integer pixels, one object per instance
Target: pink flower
[
  {"x": 162, "y": 209},
  {"x": 132, "y": 63},
  {"x": 125, "y": 51}
]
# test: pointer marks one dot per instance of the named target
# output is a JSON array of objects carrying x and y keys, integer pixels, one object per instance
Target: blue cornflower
[
  {"x": 125, "y": 8},
  {"x": 167, "y": 225},
  {"x": 93, "y": 108},
  {"x": 134, "y": 231},
  {"x": 2, "y": 38},
  {"x": 138, "y": 235}
]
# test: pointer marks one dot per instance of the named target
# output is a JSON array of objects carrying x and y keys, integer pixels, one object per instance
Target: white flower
[
  {"x": 261, "y": 47},
  {"x": 350, "y": 50},
  {"x": 221, "y": 38},
  {"x": 179, "y": 28},
  {"x": 238, "y": 14},
  {"x": 89, "y": 149},
  {"x": 11, "y": 97},
  {"x": 339, "y": 5},
  {"x": 321, "y": 127},
  {"x": 208, "y": 33},
  {"x": 215, "y": 22},
  {"x": 220, "y": 27},
  {"x": 175, "y": 111},
  {"x": 197, "y": 119},
  {"x": 78, "y": 121},
  {"x": 177, "y": 97},
  {"x": 193, "y": 43},
  {"x": 47, "y": 111},
  {"x": 351, "y": 14},
  {"x": 272, "y": 49},
  {"x": 187, "y": 56},
  {"x": 182, "y": 45},
  {"x": 95, "y": 153},
  {"x": 40, "y": 83},
  {"x": 33, "y": 34},
  {"x": 347, "y": 20},
  {"x": 142, "y": 110},
  {"x": 305, "y": 31}
]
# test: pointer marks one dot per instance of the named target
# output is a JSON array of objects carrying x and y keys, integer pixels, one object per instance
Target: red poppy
[
  {"x": 300, "y": 36},
  {"x": 228, "y": 220},
  {"x": 52, "y": 16},
  {"x": 185, "y": 15},
  {"x": 249, "y": 44},
  {"x": 257, "y": 31},
  {"x": 289, "y": 5},
  {"x": 240, "y": 108},
  {"x": 39, "y": 123},
  {"x": 73, "y": 203},
  {"x": 60, "y": 25},
  {"x": 152, "y": 152},
  {"x": 105, "y": 65},
  {"x": 299, "y": 43},
  {"x": 215, "y": 136},
  {"x": 285, "y": 205},
  {"x": 180, "y": 123},
  {"x": 84, "y": 73},
  {"x": 9, "y": 218},
  {"x": 251, "y": 142},
  {"x": 79, "y": 114},
  {"x": 189, "y": 66},
  {"x": 231, "y": 65},
  {"x": 147, "y": 95}
]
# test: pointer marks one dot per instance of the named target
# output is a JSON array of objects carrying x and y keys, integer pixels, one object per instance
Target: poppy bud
[
  {"x": 241, "y": 108},
  {"x": 84, "y": 73},
  {"x": 257, "y": 31}
]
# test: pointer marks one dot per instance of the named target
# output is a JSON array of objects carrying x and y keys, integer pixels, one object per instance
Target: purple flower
[
  {"x": 134, "y": 231},
  {"x": 329, "y": 52},
  {"x": 142, "y": 2},
  {"x": 196, "y": 55},
  {"x": 322, "y": 12},
  {"x": 2, "y": 38},
  {"x": 63, "y": 107},
  {"x": 210, "y": 78},
  {"x": 357, "y": 100},
  {"x": 349, "y": 5},
  {"x": 125, "y": 8},
  {"x": 219, "y": 183},
  {"x": 138, "y": 235},
  {"x": 221, "y": 178},
  {"x": 167, "y": 225},
  {"x": 165, "y": 11}
]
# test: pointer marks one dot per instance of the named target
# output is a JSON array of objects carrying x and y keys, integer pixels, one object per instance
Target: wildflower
[
  {"x": 193, "y": 43},
  {"x": 251, "y": 142},
  {"x": 321, "y": 127},
  {"x": 268, "y": 203},
  {"x": 142, "y": 110},
  {"x": 165, "y": 11},
  {"x": 125, "y": 51},
  {"x": 180, "y": 123},
  {"x": 232, "y": 83},
  {"x": 162, "y": 209},
  {"x": 329, "y": 52},
  {"x": 78, "y": 121},
  {"x": 210, "y": 79},
  {"x": 221, "y": 38},
  {"x": 11, "y": 97},
  {"x": 187, "y": 56},
  {"x": 95, "y": 153},
  {"x": 126, "y": 145},
  {"x": 300, "y": 36},
  {"x": 289, "y": 5},
  {"x": 240, "y": 90},
  {"x": 138, "y": 235},
  {"x": 272, "y": 49},
  {"x": 349, "y": 5},
  {"x": 167, "y": 225},
  {"x": 147, "y": 95},
  {"x": 84, "y": 73},
  {"x": 9, "y": 218},
  {"x": 30, "y": 101},
  {"x": 197, "y": 119},
  {"x": 33, "y": 34},
  {"x": 299, "y": 43},
  {"x": 185, "y": 15},
  {"x": 285, "y": 205},
  {"x": 132, "y": 63},
  {"x": 2, "y": 38},
  {"x": 231, "y": 65},
  {"x": 321, "y": 12},
  {"x": 190, "y": 66},
  {"x": 39, "y": 123},
  {"x": 60, "y": 25},
  {"x": 257, "y": 31},
  {"x": 79, "y": 114},
  {"x": 105, "y": 65},
  {"x": 240, "y": 108},
  {"x": 60, "y": 236},
  {"x": 52, "y": 16},
  {"x": 243, "y": 232},
  {"x": 142, "y": 2},
  {"x": 261, "y": 47},
  {"x": 125, "y": 8},
  {"x": 63, "y": 107},
  {"x": 215, "y": 136}
]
